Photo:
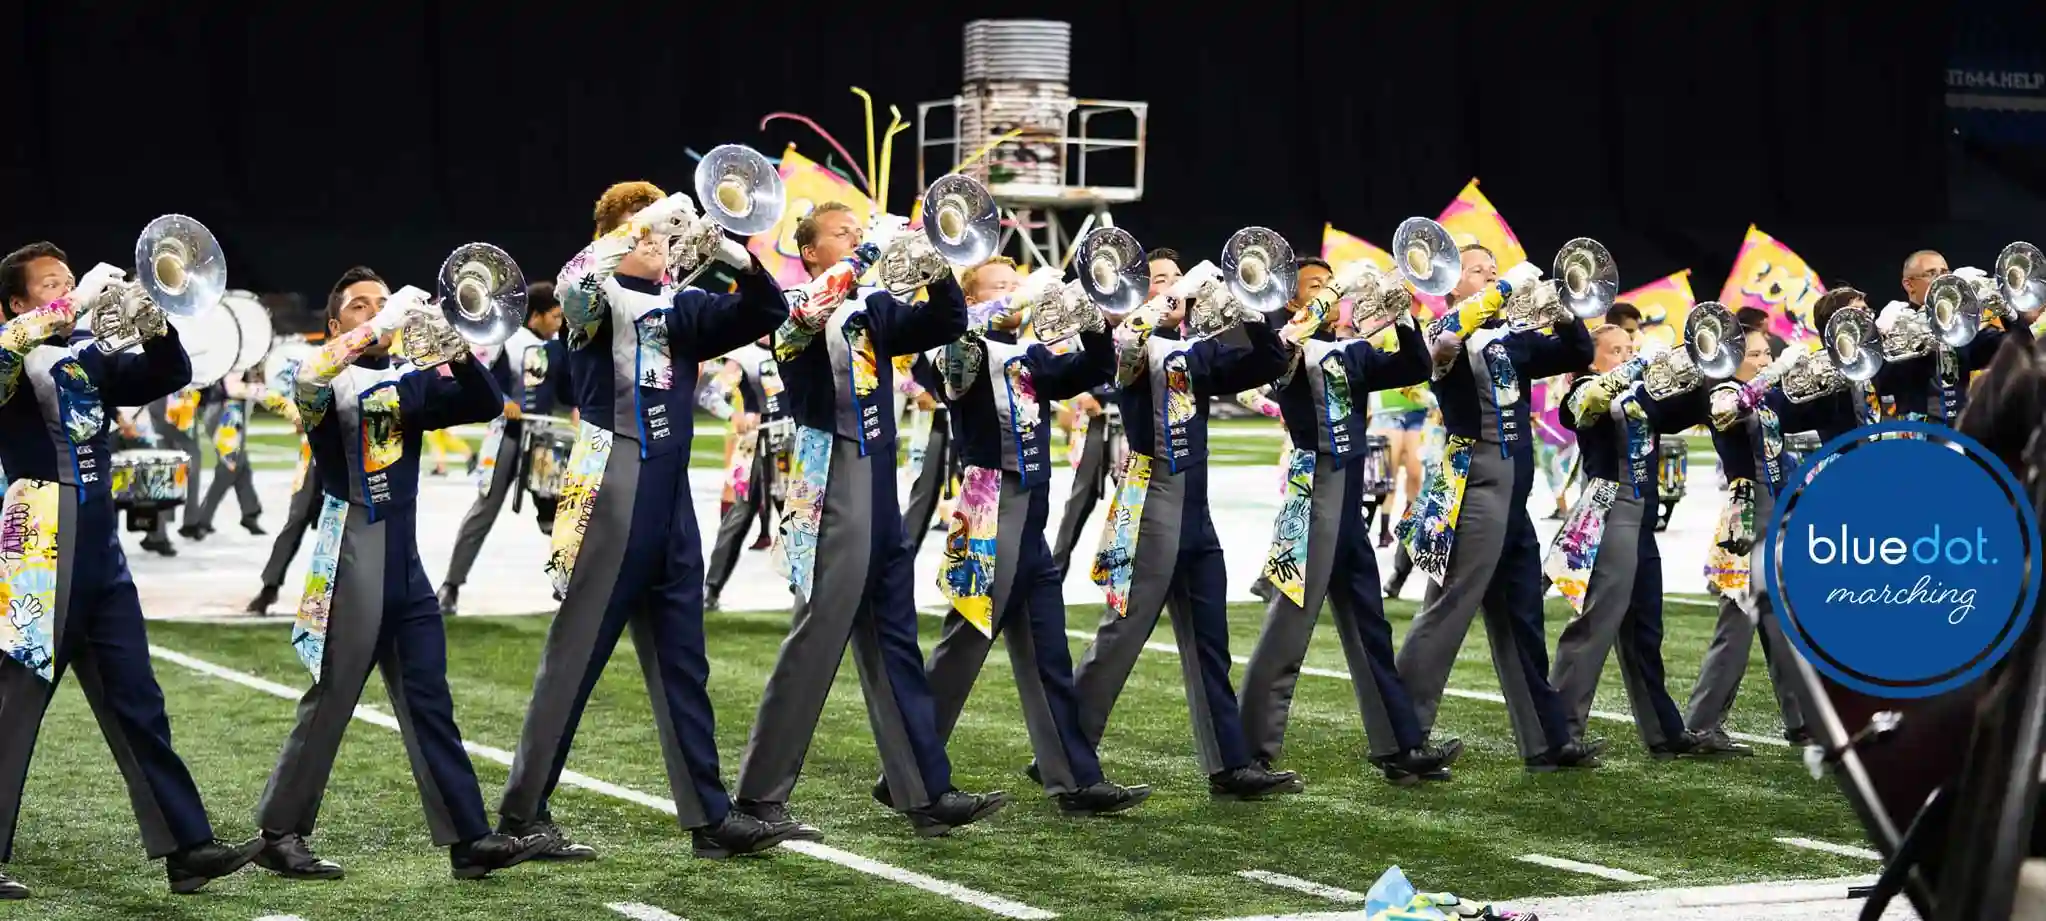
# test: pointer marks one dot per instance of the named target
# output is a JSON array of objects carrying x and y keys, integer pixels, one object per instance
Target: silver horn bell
[
  {"x": 961, "y": 228},
  {"x": 2019, "y": 278},
  {"x": 179, "y": 263},
  {"x": 482, "y": 299},
  {"x": 1587, "y": 280},
  {"x": 1112, "y": 270},
  {"x": 740, "y": 190},
  {"x": 1257, "y": 264},
  {"x": 1427, "y": 256},
  {"x": 1711, "y": 350},
  {"x": 1954, "y": 309}
]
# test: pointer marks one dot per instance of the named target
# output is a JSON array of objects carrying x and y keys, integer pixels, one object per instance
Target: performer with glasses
[
  {"x": 1471, "y": 530},
  {"x": 65, "y": 591},
  {"x": 1934, "y": 387}
]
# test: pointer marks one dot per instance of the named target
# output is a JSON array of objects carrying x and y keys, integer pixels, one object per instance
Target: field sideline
[{"x": 1634, "y": 825}]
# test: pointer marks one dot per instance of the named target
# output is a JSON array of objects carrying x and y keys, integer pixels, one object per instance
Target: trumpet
[
  {"x": 1909, "y": 335},
  {"x": 179, "y": 268},
  {"x": 1113, "y": 273},
  {"x": 1852, "y": 353},
  {"x": 1067, "y": 312},
  {"x": 482, "y": 302},
  {"x": 1258, "y": 266},
  {"x": 1955, "y": 306},
  {"x": 1376, "y": 300},
  {"x": 1586, "y": 281},
  {"x": 741, "y": 193},
  {"x": 2018, "y": 279},
  {"x": 961, "y": 228},
  {"x": 1710, "y": 352}
]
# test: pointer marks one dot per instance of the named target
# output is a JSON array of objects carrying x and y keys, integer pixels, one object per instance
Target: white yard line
[
  {"x": 638, "y": 912},
  {"x": 280, "y": 918},
  {"x": 992, "y": 903},
  {"x": 1297, "y": 884},
  {"x": 1830, "y": 848},
  {"x": 1487, "y": 696},
  {"x": 1789, "y": 900},
  {"x": 1588, "y": 869}
]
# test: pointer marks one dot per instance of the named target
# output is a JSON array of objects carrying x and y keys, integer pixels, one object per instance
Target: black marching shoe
[
  {"x": 1103, "y": 798},
  {"x": 1799, "y": 737},
  {"x": 11, "y": 891},
  {"x": 1573, "y": 756},
  {"x": 160, "y": 546},
  {"x": 1717, "y": 744},
  {"x": 1426, "y": 762},
  {"x": 559, "y": 845},
  {"x": 450, "y": 599},
  {"x": 194, "y": 532},
  {"x": 260, "y": 605},
  {"x": 1686, "y": 744},
  {"x": 710, "y": 602},
  {"x": 1032, "y": 773},
  {"x": 777, "y": 814},
  {"x": 490, "y": 853},
  {"x": 1253, "y": 781},
  {"x": 740, "y": 834},
  {"x": 254, "y": 527},
  {"x": 955, "y": 808},
  {"x": 291, "y": 857},
  {"x": 192, "y": 868}
]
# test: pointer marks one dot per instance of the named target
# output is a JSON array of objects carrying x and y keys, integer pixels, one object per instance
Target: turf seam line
[
  {"x": 1588, "y": 869},
  {"x": 639, "y": 912},
  {"x": 1297, "y": 884},
  {"x": 1829, "y": 847},
  {"x": 958, "y": 893}
]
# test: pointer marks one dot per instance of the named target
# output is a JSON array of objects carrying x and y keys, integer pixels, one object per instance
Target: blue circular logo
[{"x": 1903, "y": 567}]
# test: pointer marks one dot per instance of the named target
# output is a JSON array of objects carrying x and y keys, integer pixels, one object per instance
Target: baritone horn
[
  {"x": 1711, "y": 351},
  {"x": 482, "y": 302},
  {"x": 961, "y": 228},
  {"x": 178, "y": 267},
  {"x": 2018, "y": 277},
  {"x": 1584, "y": 285},
  {"x": 1852, "y": 352},
  {"x": 1954, "y": 308},
  {"x": 1112, "y": 270},
  {"x": 1427, "y": 256},
  {"x": 1257, "y": 265},
  {"x": 740, "y": 193}
]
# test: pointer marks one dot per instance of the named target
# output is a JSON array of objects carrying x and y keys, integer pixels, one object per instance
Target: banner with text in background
[
  {"x": 1664, "y": 304},
  {"x": 1768, "y": 275}
]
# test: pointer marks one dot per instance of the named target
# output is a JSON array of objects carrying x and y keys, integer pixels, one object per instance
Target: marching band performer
[
  {"x": 1470, "y": 530},
  {"x": 763, "y": 453},
  {"x": 1727, "y": 570},
  {"x": 997, "y": 567},
  {"x": 1934, "y": 387},
  {"x": 300, "y": 515},
  {"x": 842, "y": 539},
  {"x": 626, "y": 548},
  {"x": 64, "y": 584},
  {"x": 1094, "y": 446},
  {"x": 1322, "y": 546},
  {"x": 229, "y": 425},
  {"x": 1605, "y": 559},
  {"x": 1159, "y": 549},
  {"x": 527, "y": 370},
  {"x": 173, "y": 418},
  {"x": 368, "y": 602}
]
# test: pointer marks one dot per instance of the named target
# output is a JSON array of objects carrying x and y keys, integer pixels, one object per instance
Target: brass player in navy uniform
[{"x": 68, "y": 600}]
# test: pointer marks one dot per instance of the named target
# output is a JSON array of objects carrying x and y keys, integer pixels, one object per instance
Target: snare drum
[
  {"x": 548, "y": 444},
  {"x": 1378, "y": 474},
  {"x": 147, "y": 483}
]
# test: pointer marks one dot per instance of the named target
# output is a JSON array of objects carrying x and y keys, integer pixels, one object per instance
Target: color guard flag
[
  {"x": 1472, "y": 219},
  {"x": 1664, "y": 305},
  {"x": 1341, "y": 249},
  {"x": 1769, "y": 276},
  {"x": 808, "y": 184}
]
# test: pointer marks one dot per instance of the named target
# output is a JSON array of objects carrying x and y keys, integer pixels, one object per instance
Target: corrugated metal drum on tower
[{"x": 1017, "y": 73}]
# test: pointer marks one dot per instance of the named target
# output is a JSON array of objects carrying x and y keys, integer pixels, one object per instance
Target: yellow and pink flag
[
  {"x": 1664, "y": 304},
  {"x": 1767, "y": 275},
  {"x": 1470, "y": 218},
  {"x": 808, "y": 184}
]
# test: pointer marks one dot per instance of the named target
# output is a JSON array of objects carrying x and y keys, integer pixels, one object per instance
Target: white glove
[
  {"x": 1782, "y": 365},
  {"x": 1971, "y": 273},
  {"x": 95, "y": 283},
  {"x": 1521, "y": 276},
  {"x": 667, "y": 216},
  {"x": 885, "y": 229},
  {"x": 1350, "y": 276},
  {"x": 1887, "y": 321},
  {"x": 1039, "y": 286},
  {"x": 1651, "y": 349},
  {"x": 1194, "y": 278},
  {"x": 733, "y": 253},
  {"x": 398, "y": 308}
]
